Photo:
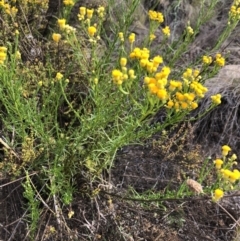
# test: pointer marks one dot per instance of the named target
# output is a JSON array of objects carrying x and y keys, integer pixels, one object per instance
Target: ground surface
[{"x": 153, "y": 166}]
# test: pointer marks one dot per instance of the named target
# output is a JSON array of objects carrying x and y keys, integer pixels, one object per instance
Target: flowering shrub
[
  {"x": 227, "y": 175},
  {"x": 90, "y": 94}
]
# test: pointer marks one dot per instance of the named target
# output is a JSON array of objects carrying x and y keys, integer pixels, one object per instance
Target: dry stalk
[
  {"x": 237, "y": 222},
  {"x": 9, "y": 148}
]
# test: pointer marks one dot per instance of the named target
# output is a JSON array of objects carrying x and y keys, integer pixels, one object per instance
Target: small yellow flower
[
  {"x": 166, "y": 31},
  {"x": 237, "y": 172},
  {"x": 3, "y": 49},
  {"x": 156, "y": 16},
  {"x": 190, "y": 30},
  {"x": 10, "y": 10},
  {"x": 225, "y": 150},
  {"x": 189, "y": 96},
  {"x": 90, "y": 13},
  {"x": 123, "y": 62},
  {"x": 59, "y": 76},
  {"x": 143, "y": 54},
  {"x": 52, "y": 229},
  {"x": 56, "y": 37},
  {"x": 170, "y": 104},
  {"x": 124, "y": 69},
  {"x": 179, "y": 96},
  {"x": 194, "y": 105},
  {"x": 234, "y": 176},
  {"x": 2, "y": 4},
  {"x": 131, "y": 73},
  {"x": 226, "y": 174},
  {"x": 62, "y": 23},
  {"x": 150, "y": 67},
  {"x": 69, "y": 29},
  {"x": 136, "y": 53},
  {"x": 92, "y": 30},
  {"x": 184, "y": 105},
  {"x": 131, "y": 38},
  {"x": 196, "y": 73},
  {"x": 218, "y": 194},
  {"x": 216, "y": 99},
  {"x": 164, "y": 73},
  {"x": 121, "y": 37},
  {"x": 101, "y": 11},
  {"x": 207, "y": 59},
  {"x": 176, "y": 106},
  {"x": 157, "y": 60},
  {"x": 172, "y": 85},
  {"x": 233, "y": 157},
  {"x": 147, "y": 80},
  {"x": 117, "y": 76},
  {"x": 2, "y": 56},
  {"x": 218, "y": 163},
  {"x": 162, "y": 94},
  {"x": 18, "y": 55},
  {"x": 68, "y": 2},
  {"x": 234, "y": 12},
  {"x": 153, "y": 88},
  {"x": 70, "y": 214},
  {"x": 125, "y": 76},
  {"x": 116, "y": 73},
  {"x": 152, "y": 37},
  {"x": 82, "y": 11},
  {"x": 220, "y": 61}
]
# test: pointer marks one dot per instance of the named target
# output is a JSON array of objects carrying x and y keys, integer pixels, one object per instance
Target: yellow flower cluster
[
  {"x": 152, "y": 37},
  {"x": 166, "y": 31},
  {"x": 91, "y": 31},
  {"x": 12, "y": 11},
  {"x": 171, "y": 92},
  {"x": 182, "y": 94},
  {"x": 156, "y": 16},
  {"x": 119, "y": 76},
  {"x": 143, "y": 56},
  {"x": 216, "y": 99},
  {"x": 218, "y": 194},
  {"x": 87, "y": 14},
  {"x": 3, "y": 54},
  {"x": 101, "y": 11},
  {"x": 68, "y": 2},
  {"x": 207, "y": 59},
  {"x": 121, "y": 37},
  {"x": 225, "y": 150},
  {"x": 218, "y": 163},
  {"x": 220, "y": 61},
  {"x": 66, "y": 27},
  {"x": 190, "y": 75},
  {"x": 198, "y": 88},
  {"x": 230, "y": 177},
  {"x": 190, "y": 30},
  {"x": 61, "y": 23},
  {"x": 59, "y": 76},
  {"x": 56, "y": 37},
  {"x": 131, "y": 38},
  {"x": 234, "y": 12}
]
